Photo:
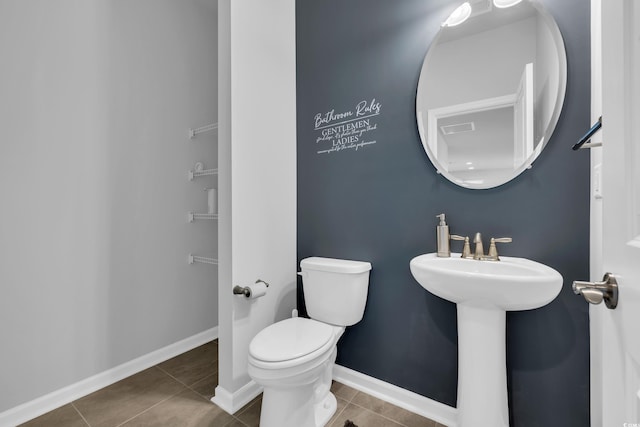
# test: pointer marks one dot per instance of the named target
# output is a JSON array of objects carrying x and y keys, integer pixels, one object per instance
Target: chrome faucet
[{"x": 478, "y": 254}]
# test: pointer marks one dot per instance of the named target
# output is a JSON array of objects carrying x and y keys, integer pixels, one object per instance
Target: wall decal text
[{"x": 347, "y": 130}]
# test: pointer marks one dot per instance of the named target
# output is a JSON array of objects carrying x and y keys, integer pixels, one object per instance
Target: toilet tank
[{"x": 335, "y": 290}]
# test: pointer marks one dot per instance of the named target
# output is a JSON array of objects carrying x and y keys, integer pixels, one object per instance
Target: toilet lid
[{"x": 290, "y": 339}]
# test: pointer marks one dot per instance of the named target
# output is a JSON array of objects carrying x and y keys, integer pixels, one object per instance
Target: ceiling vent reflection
[{"x": 458, "y": 128}]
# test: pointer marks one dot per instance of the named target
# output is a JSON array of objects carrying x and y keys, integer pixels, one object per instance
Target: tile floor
[{"x": 177, "y": 392}]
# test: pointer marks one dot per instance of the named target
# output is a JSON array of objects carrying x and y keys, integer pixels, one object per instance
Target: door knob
[{"x": 596, "y": 292}]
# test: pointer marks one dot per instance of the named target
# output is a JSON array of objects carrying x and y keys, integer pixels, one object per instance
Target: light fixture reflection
[
  {"x": 505, "y": 3},
  {"x": 459, "y": 15}
]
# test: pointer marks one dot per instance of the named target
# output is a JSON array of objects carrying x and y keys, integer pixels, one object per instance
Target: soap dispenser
[{"x": 442, "y": 233}]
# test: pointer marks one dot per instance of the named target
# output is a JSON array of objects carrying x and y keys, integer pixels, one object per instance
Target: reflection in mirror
[{"x": 490, "y": 92}]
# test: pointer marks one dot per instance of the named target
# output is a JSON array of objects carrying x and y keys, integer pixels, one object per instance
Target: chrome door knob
[{"x": 596, "y": 292}]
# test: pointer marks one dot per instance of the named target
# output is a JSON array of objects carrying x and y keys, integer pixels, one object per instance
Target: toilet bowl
[{"x": 293, "y": 359}]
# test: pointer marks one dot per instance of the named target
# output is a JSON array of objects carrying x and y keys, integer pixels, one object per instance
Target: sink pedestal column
[{"x": 482, "y": 371}]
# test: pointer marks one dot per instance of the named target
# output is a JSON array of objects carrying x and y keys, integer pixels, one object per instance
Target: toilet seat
[{"x": 291, "y": 342}]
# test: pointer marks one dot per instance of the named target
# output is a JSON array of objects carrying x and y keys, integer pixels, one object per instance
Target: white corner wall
[
  {"x": 97, "y": 97},
  {"x": 257, "y": 180}
]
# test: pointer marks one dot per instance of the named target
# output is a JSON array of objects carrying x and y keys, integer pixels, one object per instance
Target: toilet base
[
  {"x": 305, "y": 404},
  {"x": 324, "y": 410},
  {"x": 281, "y": 408}
]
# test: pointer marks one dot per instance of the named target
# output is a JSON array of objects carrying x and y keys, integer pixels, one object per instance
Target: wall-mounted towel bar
[
  {"x": 202, "y": 129},
  {"x": 196, "y": 173},
  {"x": 192, "y": 216},
  {"x": 582, "y": 143},
  {"x": 205, "y": 260}
]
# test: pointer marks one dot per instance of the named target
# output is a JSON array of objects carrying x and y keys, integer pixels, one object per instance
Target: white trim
[
  {"x": 487, "y": 104},
  {"x": 60, "y": 397},
  {"x": 398, "y": 396},
  {"x": 233, "y": 402},
  {"x": 474, "y": 106}
]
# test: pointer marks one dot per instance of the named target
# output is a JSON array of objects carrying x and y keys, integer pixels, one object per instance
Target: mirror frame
[{"x": 422, "y": 116}]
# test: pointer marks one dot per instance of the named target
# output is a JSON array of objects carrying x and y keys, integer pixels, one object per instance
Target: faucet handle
[
  {"x": 493, "y": 251},
  {"x": 502, "y": 239},
  {"x": 466, "y": 249}
]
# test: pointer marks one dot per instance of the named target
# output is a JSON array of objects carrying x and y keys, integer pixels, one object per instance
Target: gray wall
[
  {"x": 97, "y": 98},
  {"x": 378, "y": 204}
]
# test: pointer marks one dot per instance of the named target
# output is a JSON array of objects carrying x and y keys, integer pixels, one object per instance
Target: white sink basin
[
  {"x": 509, "y": 284},
  {"x": 483, "y": 292}
]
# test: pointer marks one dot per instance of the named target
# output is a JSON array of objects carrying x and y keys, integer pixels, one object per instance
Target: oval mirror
[{"x": 491, "y": 90}]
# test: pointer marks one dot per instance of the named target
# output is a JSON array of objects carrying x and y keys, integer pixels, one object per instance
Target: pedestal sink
[{"x": 483, "y": 292}]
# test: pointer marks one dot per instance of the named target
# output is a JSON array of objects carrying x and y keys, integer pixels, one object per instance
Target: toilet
[{"x": 293, "y": 359}]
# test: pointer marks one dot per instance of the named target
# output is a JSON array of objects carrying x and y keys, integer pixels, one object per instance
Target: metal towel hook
[{"x": 582, "y": 143}]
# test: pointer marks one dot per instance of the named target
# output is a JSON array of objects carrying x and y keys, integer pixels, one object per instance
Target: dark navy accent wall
[{"x": 378, "y": 203}]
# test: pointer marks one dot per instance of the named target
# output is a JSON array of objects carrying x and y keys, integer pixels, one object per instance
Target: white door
[{"x": 615, "y": 333}]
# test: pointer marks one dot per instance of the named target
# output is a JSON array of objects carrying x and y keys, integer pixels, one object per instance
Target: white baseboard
[
  {"x": 413, "y": 402},
  {"x": 233, "y": 402},
  {"x": 53, "y": 400}
]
